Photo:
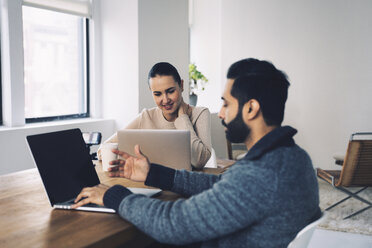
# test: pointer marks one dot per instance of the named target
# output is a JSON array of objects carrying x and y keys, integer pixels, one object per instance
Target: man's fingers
[
  {"x": 81, "y": 203},
  {"x": 112, "y": 169},
  {"x": 117, "y": 173},
  {"x": 82, "y": 194},
  {"x": 114, "y": 174},
  {"x": 138, "y": 152},
  {"x": 115, "y": 162},
  {"x": 118, "y": 163},
  {"x": 78, "y": 198},
  {"x": 121, "y": 153}
]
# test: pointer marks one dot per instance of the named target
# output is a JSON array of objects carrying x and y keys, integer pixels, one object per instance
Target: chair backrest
[
  {"x": 236, "y": 151},
  {"x": 229, "y": 149},
  {"x": 218, "y": 137},
  {"x": 302, "y": 238},
  {"x": 357, "y": 166}
]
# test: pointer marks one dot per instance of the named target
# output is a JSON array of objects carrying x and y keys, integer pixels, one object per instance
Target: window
[{"x": 55, "y": 65}]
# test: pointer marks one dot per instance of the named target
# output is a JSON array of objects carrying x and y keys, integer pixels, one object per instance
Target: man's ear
[{"x": 251, "y": 109}]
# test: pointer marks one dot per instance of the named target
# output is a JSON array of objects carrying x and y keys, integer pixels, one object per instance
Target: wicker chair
[{"x": 356, "y": 171}]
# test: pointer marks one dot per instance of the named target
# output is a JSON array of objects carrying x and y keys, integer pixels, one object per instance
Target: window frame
[{"x": 87, "y": 86}]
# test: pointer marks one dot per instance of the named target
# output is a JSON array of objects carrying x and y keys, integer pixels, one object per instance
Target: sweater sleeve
[
  {"x": 188, "y": 183},
  {"x": 191, "y": 183},
  {"x": 200, "y": 137},
  {"x": 225, "y": 208}
]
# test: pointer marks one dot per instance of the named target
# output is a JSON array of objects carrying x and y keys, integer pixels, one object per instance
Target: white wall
[
  {"x": 119, "y": 51},
  {"x": 323, "y": 46},
  {"x": 14, "y": 152},
  {"x": 205, "y": 49},
  {"x": 163, "y": 37},
  {"x": 205, "y": 52},
  {"x": 136, "y": 34}
]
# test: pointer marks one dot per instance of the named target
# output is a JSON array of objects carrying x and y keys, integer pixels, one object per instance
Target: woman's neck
[{"x": 170, "y": 117}]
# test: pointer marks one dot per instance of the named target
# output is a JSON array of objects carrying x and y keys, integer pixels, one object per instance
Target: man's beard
[{"x": 237, "y": 131}]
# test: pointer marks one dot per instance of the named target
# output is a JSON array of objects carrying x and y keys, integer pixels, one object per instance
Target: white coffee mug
[{"x": 107, "y": 155}]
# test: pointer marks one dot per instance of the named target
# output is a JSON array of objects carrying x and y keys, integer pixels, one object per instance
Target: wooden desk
[{"x": 28, "y": 220}]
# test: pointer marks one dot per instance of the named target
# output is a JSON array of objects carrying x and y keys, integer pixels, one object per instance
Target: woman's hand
[
  {"x": 133, "y": 168},
  {"x": 91, "y": 195},
  {"x": 184, "y": 109}
]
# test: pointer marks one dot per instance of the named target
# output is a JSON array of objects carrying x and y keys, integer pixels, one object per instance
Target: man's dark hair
[
  {"x": 164, "y": 69},
  {"x": 260, "y": 80}
]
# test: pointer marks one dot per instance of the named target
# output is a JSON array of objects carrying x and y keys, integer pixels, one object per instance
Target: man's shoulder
[
  {"x": 287, "y": 154},
  {"x": 271, "y": 169},
  {"x": 250, "y": 168},
  {"x": 275, "y": 160},
  {"x": 293, "y": 152},
  {"x": 250, "y": 176}
]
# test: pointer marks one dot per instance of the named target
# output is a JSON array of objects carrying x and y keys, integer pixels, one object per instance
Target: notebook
[
  {"x": 168, "y": 147},
  {"x": 65, "y": 167}
]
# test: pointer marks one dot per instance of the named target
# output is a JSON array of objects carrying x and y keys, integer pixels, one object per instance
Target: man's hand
[
  {"x": 133, "y": 168},
  {"x": 91, "y": 195},
  {"x": 184, "y": 109}
]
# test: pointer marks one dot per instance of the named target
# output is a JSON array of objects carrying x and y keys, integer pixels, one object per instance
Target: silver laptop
[
  {"x": 65, "y": 167},
  {"x": 167, "y": 147}
]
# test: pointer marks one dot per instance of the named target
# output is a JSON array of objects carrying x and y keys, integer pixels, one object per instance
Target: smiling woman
[
  {"x": 167, "y": 86},
  {"x": 172, "y": 112},
  {"x": 167, "y": 96}
]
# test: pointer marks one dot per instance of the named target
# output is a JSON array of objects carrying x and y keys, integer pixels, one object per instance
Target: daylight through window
[{"x": 55, "y": 65}]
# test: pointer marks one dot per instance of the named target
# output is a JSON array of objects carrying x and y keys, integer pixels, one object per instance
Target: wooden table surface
[{"x": 28, "y": 220}]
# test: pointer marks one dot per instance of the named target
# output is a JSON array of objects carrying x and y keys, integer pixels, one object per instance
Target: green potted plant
[{"x": 197, "y": 83}]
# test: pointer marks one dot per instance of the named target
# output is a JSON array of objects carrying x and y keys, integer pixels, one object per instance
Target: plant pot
[{"x": 193, "y": 99}]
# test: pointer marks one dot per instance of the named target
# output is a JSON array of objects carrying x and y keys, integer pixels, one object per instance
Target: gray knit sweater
[{"x": 261, "y": 201}]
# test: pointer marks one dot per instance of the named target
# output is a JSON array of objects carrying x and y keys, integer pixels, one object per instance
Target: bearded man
[{"x": 263, "y": 200}]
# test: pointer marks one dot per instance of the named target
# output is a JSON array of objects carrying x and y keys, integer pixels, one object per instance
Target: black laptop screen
[{"x": 64, "y": 163}]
